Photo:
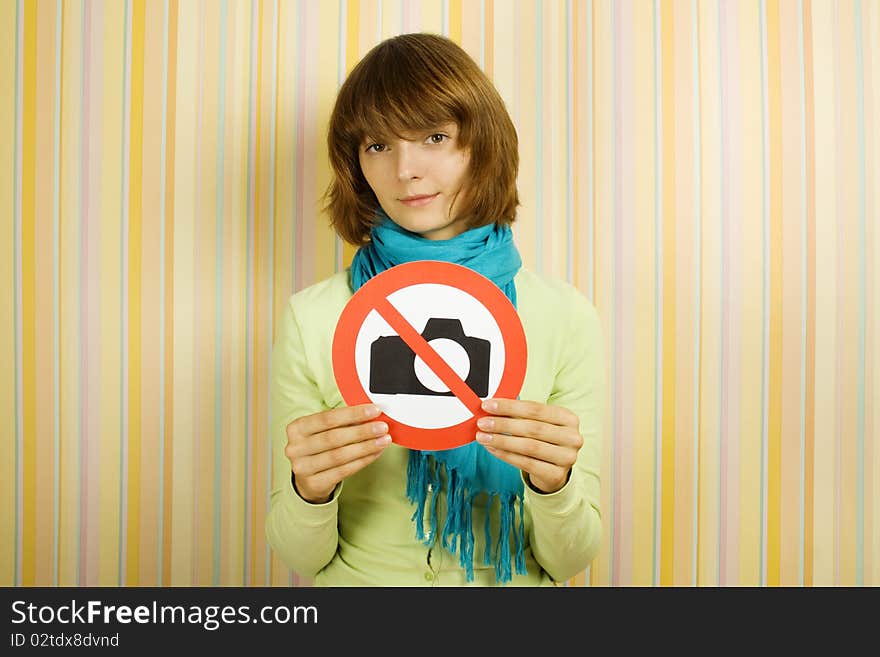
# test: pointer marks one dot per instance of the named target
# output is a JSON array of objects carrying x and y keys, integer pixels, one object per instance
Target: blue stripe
[
  {"x": 123, "y": 315},
  {"x": 218, "y": 308},
  {"x": 161, "y": 538},
  {"x": 539, "y": 135},
  {"x": 860, "y": 460},
  {"x": 56, "y": 347}
]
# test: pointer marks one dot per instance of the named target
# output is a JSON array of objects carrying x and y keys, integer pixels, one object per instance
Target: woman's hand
[
  {"x": 543, "y": 441},
  {"x": 326, "y": 447}
]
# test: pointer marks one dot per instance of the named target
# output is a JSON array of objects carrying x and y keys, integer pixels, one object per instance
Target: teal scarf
[{"x": 470, "y": 469}]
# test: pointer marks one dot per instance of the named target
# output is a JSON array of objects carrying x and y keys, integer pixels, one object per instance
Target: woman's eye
[
  {"x": 437, "y": 138},
  {"x": 375, "y": 148}
]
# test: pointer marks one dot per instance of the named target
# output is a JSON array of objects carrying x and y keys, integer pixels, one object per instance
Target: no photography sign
[{"x": 426, "y": 342}]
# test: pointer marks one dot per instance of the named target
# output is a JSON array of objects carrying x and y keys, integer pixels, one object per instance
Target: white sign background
[{"x": 419, "y": 303}]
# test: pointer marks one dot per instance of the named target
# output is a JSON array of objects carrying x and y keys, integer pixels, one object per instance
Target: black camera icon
[{"x": 392, "y": 362}]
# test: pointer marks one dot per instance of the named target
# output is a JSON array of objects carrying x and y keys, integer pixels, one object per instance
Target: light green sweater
[{"x": 364, "y": 535}]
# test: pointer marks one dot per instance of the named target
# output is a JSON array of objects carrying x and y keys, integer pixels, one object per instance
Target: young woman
[{"x": 424, "y": 158}]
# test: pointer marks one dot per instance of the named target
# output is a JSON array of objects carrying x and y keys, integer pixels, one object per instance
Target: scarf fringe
[{"x": 423, "y": 477}]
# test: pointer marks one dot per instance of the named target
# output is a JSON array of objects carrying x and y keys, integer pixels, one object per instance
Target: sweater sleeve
[
  {"x": 303, "y": 535},
  {"x": 566, "y": 525}
]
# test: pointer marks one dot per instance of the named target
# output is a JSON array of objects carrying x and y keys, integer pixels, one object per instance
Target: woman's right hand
[{"x": 326, "y": 447}]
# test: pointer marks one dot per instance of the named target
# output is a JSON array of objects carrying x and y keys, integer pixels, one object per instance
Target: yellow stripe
[
  {"x": 44, "y": 210},
  {"x": 28, "y": 392},
  {"x": 824, "y": 466},
  {"x": 110, "y": 184},
  {"x": 151, "y": 299},
  {"x": 234, "y": 275},
  {"x": 208, "y": 296},
  {"x": 667, "y": 518},
  {"x": 751, "y": 265},
  {"x": 685, "y": 319},
  {"x": 790, "y": 124},
  {"x": 70, "y": 300},
  {"x": 352, "y": 55},
  {"x": 710, "y": 322},
  {"x": 555, "y": 240},
  {"x": 328, "y": 53},
  {"x": 135, "y": 251},
  {"x": 390, "y": 19},
  {"x": 872, "y": 393},
  {"x": 8, "y": 98},
  {"x": 848, "y": 302},
  {"x": 257, "y": 477},
  {"x": 432, "y": 15},
  {"x": 644, "y": 234},
  {"x": 455, "y": 21},
  {"x": 600, "y": 571},
  {"x": 774, "y": 444},
  {"x": 184, "y": 291},
  {"x": 524, "y": 228}
]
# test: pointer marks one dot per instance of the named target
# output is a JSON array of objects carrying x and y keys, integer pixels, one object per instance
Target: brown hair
[{"x": 411, "y": 83}]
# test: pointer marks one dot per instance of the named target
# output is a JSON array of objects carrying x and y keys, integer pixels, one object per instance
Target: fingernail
[
  {"x": 490, "y": 405},
  {"x": 483, "y": 437},
  {"x": 380, "y": 427},
  {"x": 485, "y": 423},
  {"x": 384, "y": 440},
  {"x": 371, "y": 411}
]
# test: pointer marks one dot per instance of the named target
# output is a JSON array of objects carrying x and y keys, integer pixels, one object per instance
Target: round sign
[{"x": 426, "y": 342}]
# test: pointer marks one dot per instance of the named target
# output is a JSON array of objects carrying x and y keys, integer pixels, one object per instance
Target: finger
[
  {"x": 338, "y": 417},
  {"x": 314, "y": 464},
  {"x": 534, "y": 467},
  {"x": 332, "y": 476},
  {"x": 530, "y": 410},
  {"x": 543, "y": 431},
  {"x": 334, "y": 438},
  {"x": 537, "y": 450}
]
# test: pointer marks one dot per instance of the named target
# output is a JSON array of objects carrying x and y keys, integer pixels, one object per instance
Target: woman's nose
[{"x": 409, "y": 164}]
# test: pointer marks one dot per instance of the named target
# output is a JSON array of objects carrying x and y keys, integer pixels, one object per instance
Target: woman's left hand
[{"x": 541, "y": 440}]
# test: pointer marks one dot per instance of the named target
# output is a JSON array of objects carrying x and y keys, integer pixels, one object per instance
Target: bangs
[{"x": 392, "y": 96}]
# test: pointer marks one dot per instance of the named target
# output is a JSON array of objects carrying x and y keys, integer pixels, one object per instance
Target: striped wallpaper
[{"x": 706, "y": 171}]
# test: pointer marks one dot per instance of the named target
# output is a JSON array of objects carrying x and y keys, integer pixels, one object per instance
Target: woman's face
[{"x": 417, "y": 179}]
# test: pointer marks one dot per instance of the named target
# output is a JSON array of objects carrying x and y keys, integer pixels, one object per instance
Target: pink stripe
[{"x": 90, "y": 297}]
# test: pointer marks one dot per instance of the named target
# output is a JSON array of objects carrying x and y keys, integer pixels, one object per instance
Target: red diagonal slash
[{"x": 426, "y": 352}]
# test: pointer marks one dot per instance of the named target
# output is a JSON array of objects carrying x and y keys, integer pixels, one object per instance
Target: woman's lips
[{"x": 417, "y": 201}]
